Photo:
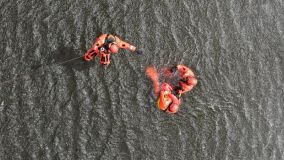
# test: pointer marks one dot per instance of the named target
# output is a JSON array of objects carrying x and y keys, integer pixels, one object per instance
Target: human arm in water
[{"x": 124, "y": 45}]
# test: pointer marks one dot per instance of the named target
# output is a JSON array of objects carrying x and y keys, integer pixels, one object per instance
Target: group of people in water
[{"x": 168, "y": 95}]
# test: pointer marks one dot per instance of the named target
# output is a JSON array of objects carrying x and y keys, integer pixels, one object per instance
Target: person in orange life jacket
[
  {"x": 187, "y": 79},
  {"x": 106, "y": 44},
  {"x": 168, "y": 101}
]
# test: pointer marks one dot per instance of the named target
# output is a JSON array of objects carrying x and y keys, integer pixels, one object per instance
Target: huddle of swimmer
[{"x": 169, "y": 96}]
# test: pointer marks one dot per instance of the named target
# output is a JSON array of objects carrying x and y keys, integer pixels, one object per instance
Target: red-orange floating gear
[
  {"x": 184, "y": 71},
  {"x": 104, "y": 56},
  {"x": 111, "y": 44},
  {"x": 167, "y": 101},
  {"x": 113, "y": 48},
  {"x": 154, "y": 76},
  {"x": 187, "y": 79},
  {"x": 174, "y": 106},
  {"x": 89, "y": 55},
  {"x": 164, "y": 100}
]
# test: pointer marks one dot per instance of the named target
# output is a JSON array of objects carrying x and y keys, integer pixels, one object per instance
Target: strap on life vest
[
  {"x": 105, "y": 58},
  {"x": 90, "y": 55}
]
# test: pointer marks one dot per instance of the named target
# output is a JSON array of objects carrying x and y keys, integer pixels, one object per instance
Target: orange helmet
[
  {"x": 182, "y": 69},
  {"x": 113, "y": 48},
  {"x": 166, "y": 87}
]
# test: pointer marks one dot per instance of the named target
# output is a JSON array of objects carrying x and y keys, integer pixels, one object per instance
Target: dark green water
[{"x": 80, "y": 110}]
